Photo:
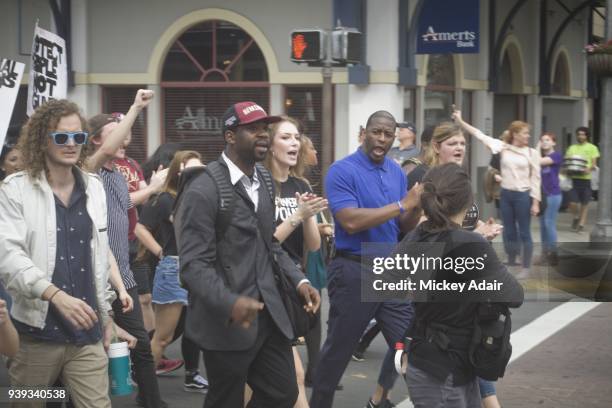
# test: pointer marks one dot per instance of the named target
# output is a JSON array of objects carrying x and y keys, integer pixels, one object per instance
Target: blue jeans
[
  {"x": 548, "y": 223},
  {"x": 516, "y": 216}
]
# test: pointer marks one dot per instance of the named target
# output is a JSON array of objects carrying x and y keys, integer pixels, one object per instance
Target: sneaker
[
  {"x": 580, "y": 229},
  {"x": 575, "y": 224},
  {"x": 358, "y": 355},
  {"x": 195, "y": 383},
  {"x": 383, "y": 404},
  {"x": 167, "y": 366}
]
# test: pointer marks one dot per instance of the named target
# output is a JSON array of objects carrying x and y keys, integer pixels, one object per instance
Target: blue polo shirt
[{"x": 358, "y": 182}]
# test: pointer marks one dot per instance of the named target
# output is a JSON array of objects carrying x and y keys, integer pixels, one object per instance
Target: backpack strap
[
  {"x": 267, "y": 178},
  {"x": 226, "y": 197}
]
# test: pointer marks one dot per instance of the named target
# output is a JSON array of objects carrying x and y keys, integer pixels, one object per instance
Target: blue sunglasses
[{"x": 61, "y": 138}]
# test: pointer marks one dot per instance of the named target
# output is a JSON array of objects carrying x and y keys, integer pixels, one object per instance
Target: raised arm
[
  {"x": 495, "y": 145},
  {"x": 117, "y": 137}
]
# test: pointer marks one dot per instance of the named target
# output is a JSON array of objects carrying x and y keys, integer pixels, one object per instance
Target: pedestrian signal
[{"x": 307, "y": 45}]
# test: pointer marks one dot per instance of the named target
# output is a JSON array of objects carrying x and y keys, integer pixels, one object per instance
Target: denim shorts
[{"x": 166, "y": 286}]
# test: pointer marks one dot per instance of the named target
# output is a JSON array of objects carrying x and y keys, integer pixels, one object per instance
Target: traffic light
[
  {"x": 346, "y": 45},
  {"x": 308, "y": 45}
]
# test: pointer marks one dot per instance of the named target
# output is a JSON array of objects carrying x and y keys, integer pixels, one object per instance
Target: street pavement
[{"x": 562, "y": 356}]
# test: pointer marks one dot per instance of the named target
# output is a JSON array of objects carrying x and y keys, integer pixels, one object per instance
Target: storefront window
[
  {"x": 440, "y": 90},
  {"x": 304, "y": 104},
  {"x": 211, "y": 66}
]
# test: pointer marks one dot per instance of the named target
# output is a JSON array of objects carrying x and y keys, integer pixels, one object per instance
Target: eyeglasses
[{"x": 61, "y": 138}]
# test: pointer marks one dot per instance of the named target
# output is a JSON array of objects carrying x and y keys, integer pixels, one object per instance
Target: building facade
[{"x": 202, "y": 55}]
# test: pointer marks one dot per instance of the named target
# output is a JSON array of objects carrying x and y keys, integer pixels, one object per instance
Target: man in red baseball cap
[{"x": 224, "y": 223}]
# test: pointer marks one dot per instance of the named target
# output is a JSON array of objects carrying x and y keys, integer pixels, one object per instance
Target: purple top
[{"x": 550, "y": 175}]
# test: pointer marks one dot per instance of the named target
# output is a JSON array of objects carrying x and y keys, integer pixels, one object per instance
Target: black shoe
[
  {"x": 358, "y": 355},
  {"x": 140, "y": 402}
]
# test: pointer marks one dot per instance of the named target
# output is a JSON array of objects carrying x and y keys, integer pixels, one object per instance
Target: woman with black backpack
[{"x": 444, "y": 353}]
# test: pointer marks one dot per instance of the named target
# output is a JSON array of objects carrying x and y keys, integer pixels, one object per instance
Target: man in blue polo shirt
[{"x": 367, "y": 193}]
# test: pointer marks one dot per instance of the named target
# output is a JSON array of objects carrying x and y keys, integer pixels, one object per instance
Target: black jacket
[
  {"x": 216, "y": 273},
  {"x": 452, "y": 309}
]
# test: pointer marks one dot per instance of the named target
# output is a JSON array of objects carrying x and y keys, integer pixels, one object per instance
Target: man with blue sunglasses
[{"x": 55, "y": 260}]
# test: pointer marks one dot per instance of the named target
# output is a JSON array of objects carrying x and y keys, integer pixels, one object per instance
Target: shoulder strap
[
  {"x": 226, "y": 197},
  {"x": 267, "y": 178}
]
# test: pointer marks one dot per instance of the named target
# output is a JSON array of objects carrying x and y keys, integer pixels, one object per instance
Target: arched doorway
[
  {"x": 509, "y": 102},
  {"x": 210, "y": 66},
  {"x": 560, "y": 81},
  {"x": 558, "y": 109}
]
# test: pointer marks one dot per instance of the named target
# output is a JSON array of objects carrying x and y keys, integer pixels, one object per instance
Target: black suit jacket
[{"x": 216, "y": 273}]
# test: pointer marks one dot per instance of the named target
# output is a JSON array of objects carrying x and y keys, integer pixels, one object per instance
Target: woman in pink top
[{"x": 520, "y": 187}]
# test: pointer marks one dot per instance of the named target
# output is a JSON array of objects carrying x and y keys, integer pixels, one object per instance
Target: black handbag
[{"x": 301, "y": 320}]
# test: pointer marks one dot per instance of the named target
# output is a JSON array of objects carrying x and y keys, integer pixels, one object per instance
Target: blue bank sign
[{"x": 449, "y": 27}]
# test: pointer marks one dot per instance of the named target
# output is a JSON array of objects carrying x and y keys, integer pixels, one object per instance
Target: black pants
[
  {"x": 368, "y": 337},
  {"x": 142, "y": 359},
  {"x": 313, "y": 348},
  {"x": 267, "y": 367}
]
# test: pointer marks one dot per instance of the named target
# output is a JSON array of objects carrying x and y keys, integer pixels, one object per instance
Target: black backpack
[
  {"x": 224, "y": 189},
  {"x": 490, "y": 349},
  {"x": 301, "y": 321}
]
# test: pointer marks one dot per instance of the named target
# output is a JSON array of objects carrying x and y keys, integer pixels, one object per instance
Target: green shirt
[{"x": 586, "y": 151}]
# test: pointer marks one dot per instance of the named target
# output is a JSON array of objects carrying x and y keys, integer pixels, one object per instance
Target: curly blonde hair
[{"x": 34, "y": 134}]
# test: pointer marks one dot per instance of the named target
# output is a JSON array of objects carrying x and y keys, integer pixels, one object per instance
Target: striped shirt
[{"x": 118, "y": 203}]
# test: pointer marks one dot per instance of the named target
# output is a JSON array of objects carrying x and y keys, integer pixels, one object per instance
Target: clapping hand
[
  {"x": 309, "y": 205},
  {"x": 489, "y": 229}
]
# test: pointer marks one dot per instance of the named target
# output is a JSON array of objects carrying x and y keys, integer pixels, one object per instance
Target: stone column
[{"x": 603, "y": 227}]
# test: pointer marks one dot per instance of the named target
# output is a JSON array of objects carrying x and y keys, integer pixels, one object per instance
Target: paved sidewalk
[{"x": 572, "y": 369}]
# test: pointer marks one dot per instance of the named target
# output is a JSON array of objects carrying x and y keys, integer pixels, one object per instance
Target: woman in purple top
[{"x": 550, "y": 165}]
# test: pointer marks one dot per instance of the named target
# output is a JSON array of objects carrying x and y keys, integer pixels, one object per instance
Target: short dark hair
[
  {"x": 585, "y": 130},
  {"x": 380, "y": 114}
]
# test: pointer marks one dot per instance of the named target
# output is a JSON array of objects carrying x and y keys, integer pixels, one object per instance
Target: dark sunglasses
[{"x": 61, "y": 138}]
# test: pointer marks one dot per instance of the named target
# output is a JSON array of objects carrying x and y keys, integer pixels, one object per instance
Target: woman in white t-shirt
[{"x": 520, "y": 187}]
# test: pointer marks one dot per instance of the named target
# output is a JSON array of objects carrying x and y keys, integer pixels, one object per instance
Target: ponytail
[{"x": 446, "y": 192}]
